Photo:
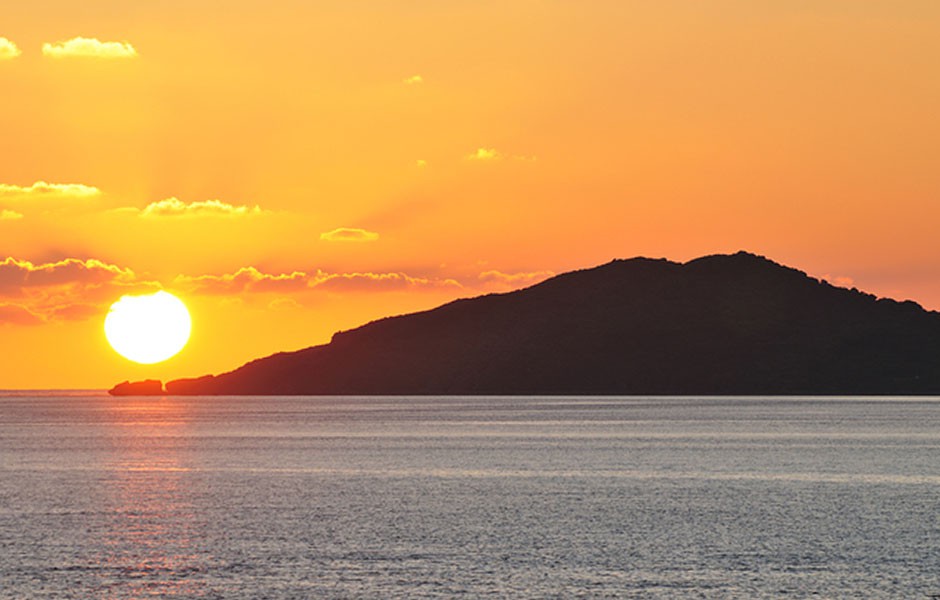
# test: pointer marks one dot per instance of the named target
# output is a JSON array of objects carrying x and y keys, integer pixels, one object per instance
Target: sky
[{"x": 294, "y": 168}]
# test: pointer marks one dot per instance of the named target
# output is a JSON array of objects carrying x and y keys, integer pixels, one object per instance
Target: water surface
[{"x": 387, "y": 497}]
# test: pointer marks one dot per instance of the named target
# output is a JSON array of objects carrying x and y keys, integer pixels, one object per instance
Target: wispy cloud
[
  {"x": 10, "y": 215},
  {"x": 349, "y": 234},
  {"x": 15, "y": 314},
  {"x": 8, "y": 50},
  {"x": 515, "y": 280},
  {"x": 244, "y": 280},
  {"x": 283, "y": 304},
  {"x": 380, "y": 282},
  {"x": 42, "y": 189},
  {"x": 251, "y": 280},
  {"x": 89, "y": 48},
  {"x": 414, "y": 80},
  {"x": 492, "y": 154},
  {"x": 173, "y": 207},
  {"x": 838, "y": 280},
  {"x": 485, "y": 154}
]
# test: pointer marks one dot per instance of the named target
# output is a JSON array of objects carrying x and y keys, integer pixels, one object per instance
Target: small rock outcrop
[{"x": 148, "y": 387}]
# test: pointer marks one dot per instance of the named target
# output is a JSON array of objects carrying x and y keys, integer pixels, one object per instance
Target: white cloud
[
  {"x": 174, "y": 207},
  {"x": 42, "y": 189},
  {"x": 89, "y": 48},
  {"x": 8, "y": 49},
  {"x": 10, "y": 215},
  {"x": 414, "y": 80}
]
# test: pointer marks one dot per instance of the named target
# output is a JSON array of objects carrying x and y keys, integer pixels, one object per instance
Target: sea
[{"x": 468, "y": 497}]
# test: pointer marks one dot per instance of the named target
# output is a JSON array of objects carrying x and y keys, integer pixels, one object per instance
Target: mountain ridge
[{"x": 718, "y": 324}]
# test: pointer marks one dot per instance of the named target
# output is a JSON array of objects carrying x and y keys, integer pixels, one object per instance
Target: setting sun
[{"x": 148, "y": 329}]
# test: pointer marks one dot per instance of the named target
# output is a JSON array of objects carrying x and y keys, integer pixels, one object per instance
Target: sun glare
[{"x": 148, "y": 329}]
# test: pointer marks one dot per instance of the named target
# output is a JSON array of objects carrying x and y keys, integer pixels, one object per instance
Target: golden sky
[{"x": 292, "y": 168}]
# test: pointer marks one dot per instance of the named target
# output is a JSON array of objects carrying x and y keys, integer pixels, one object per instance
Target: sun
[{"x": 148, "y": 329}]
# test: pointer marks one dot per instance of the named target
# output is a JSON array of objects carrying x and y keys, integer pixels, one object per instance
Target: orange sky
[{"x": 297, "y": 167}]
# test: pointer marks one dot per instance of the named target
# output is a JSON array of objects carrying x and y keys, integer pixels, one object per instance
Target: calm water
[{"x": 473, "y": 497}]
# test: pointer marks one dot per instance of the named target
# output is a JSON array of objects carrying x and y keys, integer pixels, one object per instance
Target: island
[{"x": 737, "y": 324}]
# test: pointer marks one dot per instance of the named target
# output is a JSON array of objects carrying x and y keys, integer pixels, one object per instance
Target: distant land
[{"x": 724, "y": 324}]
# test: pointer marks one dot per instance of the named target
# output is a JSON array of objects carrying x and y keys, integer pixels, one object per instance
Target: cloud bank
[
  {"x": 69, "y": 289},
  {"x": 20, "y": 274}
]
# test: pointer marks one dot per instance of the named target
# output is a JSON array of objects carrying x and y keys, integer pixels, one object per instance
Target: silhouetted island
[
  {"x": 148, "y": 387},
  {"x": 724, "y": 324}
]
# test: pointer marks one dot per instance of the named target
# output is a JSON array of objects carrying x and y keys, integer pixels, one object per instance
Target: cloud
[
  {"x": 173, "y": 207},
  {"x": 491, "y": 154},
  {"x": 14, "y": 314},
  {"x": 414, "y": 80},
  {"x": 69, "y": 289},
  {"x": 349, "y": 234},
  {"x": 244, "y": 280},
  {"x": 248, "y": 280},
  {"x": 43, "y": 190},
  {"x": 514, "y": 280},
  {"x": 421, "y": 163},
  {"x": 9, "y": 215},
  {"x": 76, "y": 312},
  {"x": 20, "y": 274},
  {"x": 8, "y": 49},
  {"x": 89, "y": 48},
  {"x": 282, "y": 304},
  {"x": 485, "y": 154},
  {"x": 838, "y": 280},
  {"x": 379, "y": 282}
]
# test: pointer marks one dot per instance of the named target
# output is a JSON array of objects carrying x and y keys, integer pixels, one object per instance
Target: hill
[{"x": 723, "y": 324}]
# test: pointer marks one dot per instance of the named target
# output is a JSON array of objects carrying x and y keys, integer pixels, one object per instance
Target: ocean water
[{"x": 395, "y": 497}]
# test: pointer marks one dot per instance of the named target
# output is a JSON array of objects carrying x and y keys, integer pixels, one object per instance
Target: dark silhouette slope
[{"x": 737, "y": 324}]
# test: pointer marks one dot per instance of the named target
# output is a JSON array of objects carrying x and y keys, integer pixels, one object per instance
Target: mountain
[{"x": 723, "y": 324}]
